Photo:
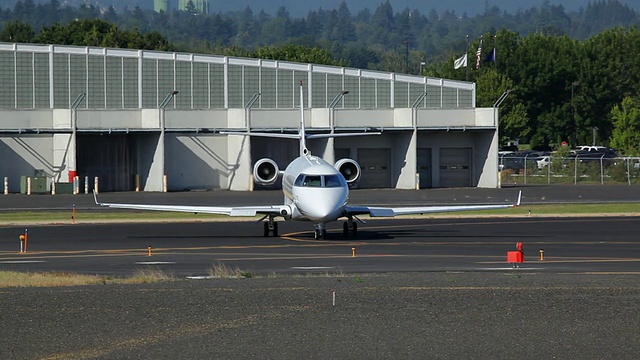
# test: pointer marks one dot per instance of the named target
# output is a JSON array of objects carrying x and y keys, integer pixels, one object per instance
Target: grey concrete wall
[
  {"x": 486, "y": 155},
  {"x": 26, "y": 119},
  {"x": 404, "y": 160},
  {"x": 197, "y": 161},
  {"x": 239, "y": 160},
  {"x": 150, "y": 161},
  {"x": 109, "y": 119},
  {"x": 207, "y": 119},
  {"x": 23, "y": 154},
  {"x": 363, "y": 118},
  {"x": 444, "y": 118}
]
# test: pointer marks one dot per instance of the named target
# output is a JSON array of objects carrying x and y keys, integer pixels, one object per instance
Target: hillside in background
[{"x": 297, "y": 8}]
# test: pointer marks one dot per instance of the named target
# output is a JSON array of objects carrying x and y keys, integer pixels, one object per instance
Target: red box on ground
[{"x": 515, "y": 257}]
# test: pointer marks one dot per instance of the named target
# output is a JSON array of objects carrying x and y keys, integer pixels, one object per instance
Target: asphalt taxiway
[{"x": 594, "y": 244}]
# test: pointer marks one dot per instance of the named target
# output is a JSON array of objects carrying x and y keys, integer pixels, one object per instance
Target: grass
[
  {"x": 95, "y": 216},
  {"x": 52, "y": 217},
  {"x": 564, "y": 209},
  {"x": 222, "y": 271},
  {"x": 57, "y": 279}
]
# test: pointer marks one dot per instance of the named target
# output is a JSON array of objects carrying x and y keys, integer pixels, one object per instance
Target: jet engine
[
  {"x": 350, "y": 169},
  {"x": 265, "y": 172}
]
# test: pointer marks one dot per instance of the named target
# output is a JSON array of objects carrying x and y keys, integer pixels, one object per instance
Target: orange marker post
[
  {"x": 541, "y": 254},
  {"x": 21, "y": 237},
  {"x": 73, "y": 214},
  {"x": 149, "y": 250},
  {"x": 353, "y": 252},
  {"x": 26, "y": 240}
]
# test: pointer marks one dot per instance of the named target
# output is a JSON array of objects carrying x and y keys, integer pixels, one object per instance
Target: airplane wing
[
  {"x": 375, "y": 211},
  {"x": 231, "y": 211}
]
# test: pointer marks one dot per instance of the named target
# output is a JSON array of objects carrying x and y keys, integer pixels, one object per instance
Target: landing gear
[
  {"x": 270, "y": 227},
  {"x": 320, "y": 232},
  {"x": 350, "y": 227}
]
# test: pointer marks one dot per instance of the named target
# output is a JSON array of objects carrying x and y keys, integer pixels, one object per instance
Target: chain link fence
[{"x": 582, "y": 169}]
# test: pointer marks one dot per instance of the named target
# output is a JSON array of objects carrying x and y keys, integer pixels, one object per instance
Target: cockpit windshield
[{"x": 329, "y": 181}]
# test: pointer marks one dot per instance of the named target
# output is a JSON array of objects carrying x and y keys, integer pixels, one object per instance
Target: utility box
[
  {"x": 23, "y": 184},
  {"x": 64, "y": 188},
  {"x": 39, "y": 185}
]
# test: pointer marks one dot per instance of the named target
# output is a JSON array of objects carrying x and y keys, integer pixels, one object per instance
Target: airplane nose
[{"x": 323, "y": 209}]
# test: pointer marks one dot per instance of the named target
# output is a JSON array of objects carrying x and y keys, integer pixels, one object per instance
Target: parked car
[
  {"x": 607, "y": 158},
  {"x": 543, "y": 161}
]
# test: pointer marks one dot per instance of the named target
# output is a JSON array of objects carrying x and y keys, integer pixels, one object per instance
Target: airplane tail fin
[{"x": 302, "y": 135}]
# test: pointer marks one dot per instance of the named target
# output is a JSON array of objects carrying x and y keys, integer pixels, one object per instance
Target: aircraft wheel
[
  {"x": 316, "y": 235},
  {"x": 275, "y": 229},
  {"x": 266, "y": 229},
  {"x": 354, "y": 231},
  {"x": 345, "y": 229},
  {"x": 324, "y": 234}
]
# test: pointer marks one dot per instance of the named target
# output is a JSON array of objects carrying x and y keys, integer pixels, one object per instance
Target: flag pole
[
  {"x": 467, "y": 53},
  {"x": 495, "y": 51}
]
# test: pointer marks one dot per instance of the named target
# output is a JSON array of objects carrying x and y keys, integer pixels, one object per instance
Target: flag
[
  {"x": 460, "y": 62},
  {"x": 491, "y": 56},
  {"x": 478, "y": 55}
]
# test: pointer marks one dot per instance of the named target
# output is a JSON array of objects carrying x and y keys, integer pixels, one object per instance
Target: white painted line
[
  {"x": 155, "y": 262},
  {"x": 511, "y": 268},
  {"x": 202, "y": 277},
  {"x": 312, "y": 267},
  {"x": 22, "y": 261}
]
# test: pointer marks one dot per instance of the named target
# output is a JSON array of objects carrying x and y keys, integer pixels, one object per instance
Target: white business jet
[{"x": 313, "y": 190}]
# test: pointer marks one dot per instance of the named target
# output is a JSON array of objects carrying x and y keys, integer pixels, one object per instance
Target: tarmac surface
[{"x": 416, "y": 289}]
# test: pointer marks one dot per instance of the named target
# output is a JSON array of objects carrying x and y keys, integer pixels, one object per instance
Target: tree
[
  {"x": 18, "y": 32},
  {"x": 626, "y": 126}
]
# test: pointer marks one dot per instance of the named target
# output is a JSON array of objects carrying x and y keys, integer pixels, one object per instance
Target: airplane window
[
  {"x": 332, "y": 181},
  {"x": 299, "y": 180},
  {"x": 312, "y": 181}
]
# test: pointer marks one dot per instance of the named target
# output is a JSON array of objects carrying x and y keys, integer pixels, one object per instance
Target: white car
[{"x": 543, "y": 161}]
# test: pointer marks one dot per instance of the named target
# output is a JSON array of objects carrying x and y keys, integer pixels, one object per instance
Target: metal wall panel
[
  {"x": 376, "y": 169},
  {"x": 425, "y": 169},
  {"x": 455, "y": 167}
]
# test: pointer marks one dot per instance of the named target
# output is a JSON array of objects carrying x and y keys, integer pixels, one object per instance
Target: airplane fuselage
[{"x": 314, "y": 190}]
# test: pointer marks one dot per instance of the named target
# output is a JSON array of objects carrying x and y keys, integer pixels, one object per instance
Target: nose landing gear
[
  {"x": 270, "y": 227},
  {"x": 350, "y": 227},
  {"x": 320, "y": 232}
]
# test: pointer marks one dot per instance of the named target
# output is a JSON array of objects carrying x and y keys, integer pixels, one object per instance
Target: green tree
[
  {"x": 17, "y": 31},
  {"x": 626, "y": 126}
]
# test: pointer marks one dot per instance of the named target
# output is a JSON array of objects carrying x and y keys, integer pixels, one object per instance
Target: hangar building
[{"x": 152, "y": 120}]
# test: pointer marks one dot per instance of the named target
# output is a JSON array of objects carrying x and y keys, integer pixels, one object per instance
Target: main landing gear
[
  {"x": 350, "y": 227},
  {"x": 320, "y": 232},
  {"x": 270, "y": 227}
]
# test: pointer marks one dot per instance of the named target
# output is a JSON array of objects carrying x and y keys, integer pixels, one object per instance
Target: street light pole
[
  {"x": 406, "y": 56},
  {"x": 574, "y": 135},
  {"x": 332, "y": 106}
]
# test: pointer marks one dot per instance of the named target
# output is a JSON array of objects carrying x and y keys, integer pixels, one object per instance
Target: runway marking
[
  {"x": 22, "y": 261},
  {"x": 155, "y": 262},
  {"x": 312, "y": 267}
]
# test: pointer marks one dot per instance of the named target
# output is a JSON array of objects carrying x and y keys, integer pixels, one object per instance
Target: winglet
[
  {"x": 519, "y": 198},
  {"x": 95, "y": 197}
]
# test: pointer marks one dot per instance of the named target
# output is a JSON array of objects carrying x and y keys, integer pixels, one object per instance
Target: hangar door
[
  {"x": 424, "y": 167},
  {"x": 455, "y": 167},
  {"x": 110, "y": 157},
  {"x": 376, "y": 172}
]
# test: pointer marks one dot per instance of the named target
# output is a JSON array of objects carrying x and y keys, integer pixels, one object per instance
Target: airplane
[{"x": 314, "y": 191}]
